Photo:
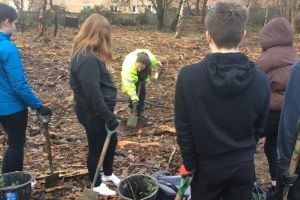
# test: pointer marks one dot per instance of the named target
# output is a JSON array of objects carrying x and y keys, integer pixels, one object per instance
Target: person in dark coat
[
  {"x": 278, "y": 55},
  {"x": 221, "y": 105},
  {"x": 287, "y": 136},
  {"x": 95, "y": 95}
]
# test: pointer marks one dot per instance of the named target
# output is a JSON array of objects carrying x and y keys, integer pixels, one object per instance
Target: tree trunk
[
  {"x": 288, "y": 9},
  {"x": 56, "y": 9},
  {"x": 175, "y": 21},
  {"x": 180, "y": 22},
  {"x": 204, "y": 7},
  {"x": 266, "y": 15},
  {"x": 20, "y": 7},
  {"x": 160, "y": 14},
  {"x": 42, "y": 20},
  {"x": 248, "y": 3},
  {"x": 55, "y": 24},
  {"x": 138, "y": 22},
  {"x": 197, "y": 7}
]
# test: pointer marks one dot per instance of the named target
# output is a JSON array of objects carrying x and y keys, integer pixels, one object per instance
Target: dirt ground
[{"x": 145, "y": 149}]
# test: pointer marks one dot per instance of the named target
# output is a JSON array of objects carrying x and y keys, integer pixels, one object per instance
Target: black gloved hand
[
  {"x": 113, "y": 123},
  {"x": 286, "y": 179},
  {"x": 44, "y": 111}
]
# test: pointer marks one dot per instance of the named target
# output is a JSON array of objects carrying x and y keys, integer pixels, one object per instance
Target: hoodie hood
[
  {"x": 276, "y": 32},
  {"x": 230, "y": 73}
]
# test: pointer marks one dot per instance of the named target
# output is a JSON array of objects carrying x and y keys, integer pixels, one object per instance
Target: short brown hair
[{"x": 226, "y": 23}]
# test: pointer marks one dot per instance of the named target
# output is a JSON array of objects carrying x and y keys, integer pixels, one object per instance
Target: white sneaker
[
  {"x": 104, "y": 190},
  {"x": 112, "y": 178},
  {"x": 33, "y": 183}
]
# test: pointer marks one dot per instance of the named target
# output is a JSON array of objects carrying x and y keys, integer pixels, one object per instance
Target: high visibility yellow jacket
[{"x": 129, "y": 72}]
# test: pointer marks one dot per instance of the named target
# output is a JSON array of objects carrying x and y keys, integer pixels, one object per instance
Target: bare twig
[
  {"x": 171, "y": 156},
  {"x": 158, "y": 105}
]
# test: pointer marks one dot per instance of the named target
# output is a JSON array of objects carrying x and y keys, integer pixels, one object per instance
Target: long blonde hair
[{"x": 94, "y": 35}]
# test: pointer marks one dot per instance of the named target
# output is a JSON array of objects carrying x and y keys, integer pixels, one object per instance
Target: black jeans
[
  {"x": 15, "y": 127},
  {"x": 229, "y": 183},
  {"x": 270, "y": 145},
  {"x": 141, "y": 94},
  {"x": 96, "y": 135}
]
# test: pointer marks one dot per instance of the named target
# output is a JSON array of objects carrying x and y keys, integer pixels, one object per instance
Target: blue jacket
[
  {"x": 287, "y": 132},
  {"x": 15, "y": 93}
]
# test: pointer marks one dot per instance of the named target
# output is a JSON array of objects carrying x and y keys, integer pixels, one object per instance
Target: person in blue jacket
[
  {"x": 15, "y": 93},
  {"x": 287, "y": 136}
]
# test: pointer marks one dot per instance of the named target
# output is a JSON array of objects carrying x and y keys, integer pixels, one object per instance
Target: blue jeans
[
  {"x": 96, "y": 135},
  {"x": 15, "y": 127}
]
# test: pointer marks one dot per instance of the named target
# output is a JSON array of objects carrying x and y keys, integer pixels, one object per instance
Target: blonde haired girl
[{"x": 95, "y": 95}]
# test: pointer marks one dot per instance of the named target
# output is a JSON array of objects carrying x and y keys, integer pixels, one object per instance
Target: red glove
[{"x": 184, "y": 172}]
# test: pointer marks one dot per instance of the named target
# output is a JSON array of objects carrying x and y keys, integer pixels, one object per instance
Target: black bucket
[
  {"x": 15, "y": 186},
  {"x": 138, "y": 187}
]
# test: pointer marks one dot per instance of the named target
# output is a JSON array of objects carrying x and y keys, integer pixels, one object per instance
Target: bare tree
[
  {"x": 160, "y": 13},
  {"x": 175, "y": 21},
  {"x": 20, "y": 7},
  {"x": 204, "y": 8},
  {"x": 56, "y": 10},
  {"x": 266, "y": 15},
  {"x": 288, "y": 9},
  {"x": 180, "y": 21},
  {"x": 43, "y": 16},
  {"x": 19, "y": 4},
  {"x": 161, "y": 9},
  {"x": 248, "y": 3},
  {"x": 42, "y": 19},
  {"x": 197, "y": 7}
]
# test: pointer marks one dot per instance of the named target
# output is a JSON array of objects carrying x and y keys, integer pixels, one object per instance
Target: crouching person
[{"x": 136, "y": 71}]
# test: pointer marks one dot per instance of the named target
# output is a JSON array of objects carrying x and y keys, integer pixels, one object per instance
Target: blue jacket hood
[{"x": 4, "y": 36}]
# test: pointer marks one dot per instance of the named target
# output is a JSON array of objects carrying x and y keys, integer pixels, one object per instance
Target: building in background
[{"x": 125, "y": 6}]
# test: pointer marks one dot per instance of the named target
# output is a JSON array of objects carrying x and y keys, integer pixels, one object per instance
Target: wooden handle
[
  {"x": 48, "y": 147},
  {"x": 294, "y": 160},
  {"x": 102, "y": 156},
  {"x": 103, "y": 152},
  {"x": 178, "y": 197}
]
